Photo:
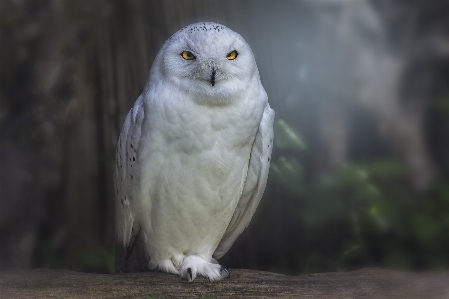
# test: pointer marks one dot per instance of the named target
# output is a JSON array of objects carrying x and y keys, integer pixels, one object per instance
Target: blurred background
[{"x": 360, "y": 167}]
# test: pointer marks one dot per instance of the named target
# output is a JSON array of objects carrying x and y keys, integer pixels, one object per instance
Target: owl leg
[{"x": 194, "y": 266}]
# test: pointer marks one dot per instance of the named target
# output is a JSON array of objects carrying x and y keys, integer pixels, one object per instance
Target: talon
[
  {"x": 226, "y": 270},
  {"x": 190, "y": 273}
]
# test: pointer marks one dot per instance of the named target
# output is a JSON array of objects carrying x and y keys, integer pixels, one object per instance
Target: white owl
[{"x": 193, "y": 155}]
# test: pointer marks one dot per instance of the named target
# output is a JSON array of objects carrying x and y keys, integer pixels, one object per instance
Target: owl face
[{"x": 209, "y": 61}]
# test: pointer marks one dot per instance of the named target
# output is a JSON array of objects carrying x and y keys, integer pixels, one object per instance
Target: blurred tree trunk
[{"x": 113, "y": 66}]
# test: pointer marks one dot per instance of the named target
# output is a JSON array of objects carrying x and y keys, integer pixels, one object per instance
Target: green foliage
[
  {"x": 363, "y": 214},
  {"x": 287, "y": 171},
  {"x": 287, "y": 137},
  {"x": 386, "y": 223}
]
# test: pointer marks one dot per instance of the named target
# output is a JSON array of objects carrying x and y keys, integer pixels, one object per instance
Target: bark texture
[{"x": 365, "y": 283}]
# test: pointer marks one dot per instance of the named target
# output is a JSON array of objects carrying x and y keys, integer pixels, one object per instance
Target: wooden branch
[{"x": 365, "y": 283}]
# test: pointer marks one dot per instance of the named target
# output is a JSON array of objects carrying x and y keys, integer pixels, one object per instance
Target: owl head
[{"x": 208, "y": 61}]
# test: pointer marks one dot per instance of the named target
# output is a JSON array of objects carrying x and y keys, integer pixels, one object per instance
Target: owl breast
[{"x": 193, "y": 170}]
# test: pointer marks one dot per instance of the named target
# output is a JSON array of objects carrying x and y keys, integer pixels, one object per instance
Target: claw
[
  {"x": 190, "y": 273},
  {"x": 226, "y": 270}
]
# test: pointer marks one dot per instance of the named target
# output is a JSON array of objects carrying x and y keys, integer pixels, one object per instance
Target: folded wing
[
  {"x": 127, "y": 230},
  {"x": 255, "y": 182}
]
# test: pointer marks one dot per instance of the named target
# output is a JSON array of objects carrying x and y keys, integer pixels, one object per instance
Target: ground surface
[{"x": 365, "y": 283}]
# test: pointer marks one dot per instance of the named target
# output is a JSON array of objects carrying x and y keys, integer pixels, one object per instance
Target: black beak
[{"x": 212, "y": 76}]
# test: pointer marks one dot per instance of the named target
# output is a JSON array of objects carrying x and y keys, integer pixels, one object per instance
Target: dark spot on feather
[
  {"x": 268, "y": 159},
  {"x": 134, "y": 158},
  {"x": 132, "y": 178}
]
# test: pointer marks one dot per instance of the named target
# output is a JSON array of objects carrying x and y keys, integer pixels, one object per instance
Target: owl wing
[
  {"x": 127, "y": 229},
  {"x": 254, "y": 185}
]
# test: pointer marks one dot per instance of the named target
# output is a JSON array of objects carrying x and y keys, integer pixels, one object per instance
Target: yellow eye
[
  {"x": 187, "y": 55},
  {"x": 232, "y": 55}
]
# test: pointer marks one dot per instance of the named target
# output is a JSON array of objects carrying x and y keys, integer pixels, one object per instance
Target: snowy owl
[{"x": 193, "y": 155}]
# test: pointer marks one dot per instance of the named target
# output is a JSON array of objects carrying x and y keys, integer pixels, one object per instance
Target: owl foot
[
  {"x": 167, "y": 266},
  {"x": 194, "y": 266}
]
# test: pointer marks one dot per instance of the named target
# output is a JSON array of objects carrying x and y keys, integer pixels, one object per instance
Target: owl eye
[
  {"x": 232, "y": 55},
  {"x": 187, "y": 55}
]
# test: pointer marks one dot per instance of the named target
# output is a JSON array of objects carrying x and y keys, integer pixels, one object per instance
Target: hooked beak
[{"x": 212, "y": 76}]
